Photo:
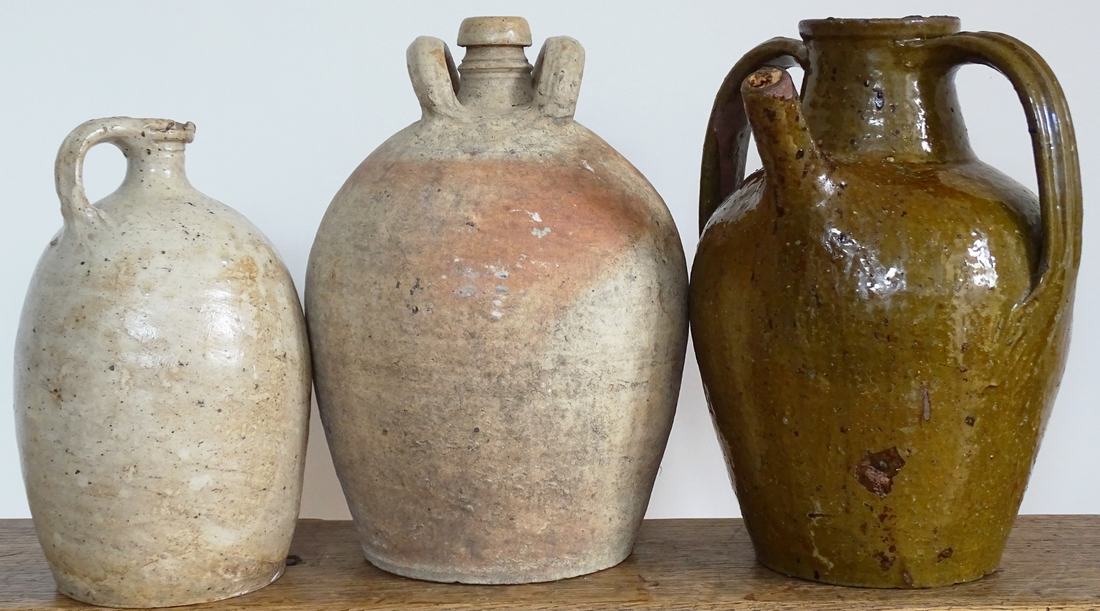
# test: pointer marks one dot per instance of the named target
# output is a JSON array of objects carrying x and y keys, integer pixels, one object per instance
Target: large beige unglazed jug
[{"x": 498, "y": 314}]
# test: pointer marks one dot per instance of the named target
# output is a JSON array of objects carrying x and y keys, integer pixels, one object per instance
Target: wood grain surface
[{"x": 1052, "y": 562}]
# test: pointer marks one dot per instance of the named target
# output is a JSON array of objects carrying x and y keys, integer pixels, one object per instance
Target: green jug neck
[{"x": 866, "y": 94}]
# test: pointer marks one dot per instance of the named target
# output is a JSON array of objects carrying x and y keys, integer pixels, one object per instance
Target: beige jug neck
[
  {"x": 495, "y": 78},
  {"x": 495, "y": 75}
]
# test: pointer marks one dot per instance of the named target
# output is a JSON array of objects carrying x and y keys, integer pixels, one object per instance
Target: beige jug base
[{"x": 551, "y": 569}]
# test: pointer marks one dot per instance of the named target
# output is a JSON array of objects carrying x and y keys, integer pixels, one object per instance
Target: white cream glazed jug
[{"x": 161, "y": 385}]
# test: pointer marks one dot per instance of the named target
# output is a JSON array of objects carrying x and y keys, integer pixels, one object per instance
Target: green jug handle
[
  {"x": 130, "y": 135},
  {"x": 1052, "y": 139},
  {"x": 726, "y": 144}
]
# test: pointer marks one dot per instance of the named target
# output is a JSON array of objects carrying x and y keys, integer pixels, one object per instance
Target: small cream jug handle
[{"x": 124, "y": 133}]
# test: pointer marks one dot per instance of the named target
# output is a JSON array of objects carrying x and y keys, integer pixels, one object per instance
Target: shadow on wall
[{"x": 321, "y": 494}]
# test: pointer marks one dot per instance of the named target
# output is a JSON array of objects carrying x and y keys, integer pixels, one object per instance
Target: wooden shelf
[{"x": 1052, "y": 562}]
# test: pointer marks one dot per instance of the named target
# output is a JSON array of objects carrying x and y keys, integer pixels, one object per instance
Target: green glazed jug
[{"x": 881, "y": 319}]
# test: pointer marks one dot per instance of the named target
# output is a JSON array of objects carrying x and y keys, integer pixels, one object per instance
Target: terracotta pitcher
[
  {"x": 161, "y": 385},
  {"x": 498, "y": 314},
  {"x": 881, "y": 319}
]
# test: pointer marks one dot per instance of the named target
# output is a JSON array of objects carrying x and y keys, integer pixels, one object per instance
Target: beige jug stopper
[{"x": 494, "y": 31}]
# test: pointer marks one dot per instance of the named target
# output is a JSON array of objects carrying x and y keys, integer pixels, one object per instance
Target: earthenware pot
[
  {"x": 161, "y": 385},
  {"x": 497, "y": 311},
  {"x": 881, "y": 319}
]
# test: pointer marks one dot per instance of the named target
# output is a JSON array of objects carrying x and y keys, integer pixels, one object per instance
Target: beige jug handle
[
  {"x": 434, "y": 76},
  {"x": 1052, "y": 138},
  {"x": 557, "y": 76},
  {"x": 125, "y": 133},
  {"x": 726, "y": 144}
]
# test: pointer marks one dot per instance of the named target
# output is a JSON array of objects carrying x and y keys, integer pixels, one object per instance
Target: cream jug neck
[{"x": 162, "y": 163}]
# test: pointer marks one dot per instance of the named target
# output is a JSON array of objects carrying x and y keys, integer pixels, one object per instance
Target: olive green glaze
[{"x": 881, "y": 319}]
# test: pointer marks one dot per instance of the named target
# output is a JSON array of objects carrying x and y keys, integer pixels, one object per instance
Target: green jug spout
[{"x": 792, "y": 163}]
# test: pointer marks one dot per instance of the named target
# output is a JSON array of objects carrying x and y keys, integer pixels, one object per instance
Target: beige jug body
[{"x": 497, "y": 310}]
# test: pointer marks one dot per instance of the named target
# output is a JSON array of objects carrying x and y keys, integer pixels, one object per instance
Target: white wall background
[{"x": 289, "y": 98}]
